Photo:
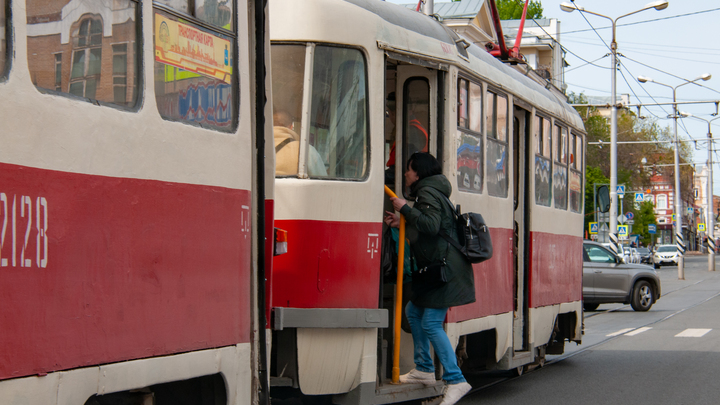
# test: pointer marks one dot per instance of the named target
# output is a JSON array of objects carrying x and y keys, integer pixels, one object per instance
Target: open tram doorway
[
  {"x": 522, "y": 154},
  {"x": 411, "y": 113}
]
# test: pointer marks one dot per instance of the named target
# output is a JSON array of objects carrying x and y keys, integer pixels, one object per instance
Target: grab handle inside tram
[{"x": 398, "y": 296}]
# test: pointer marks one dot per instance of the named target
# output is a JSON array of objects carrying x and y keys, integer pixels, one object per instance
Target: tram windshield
[{"x": 329, "y": 137}]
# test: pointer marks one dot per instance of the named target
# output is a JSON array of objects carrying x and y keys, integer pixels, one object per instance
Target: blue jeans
[{"x": 427, "y": 327}]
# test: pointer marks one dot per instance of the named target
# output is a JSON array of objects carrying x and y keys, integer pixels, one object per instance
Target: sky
[{"x": 670, "y": 46}]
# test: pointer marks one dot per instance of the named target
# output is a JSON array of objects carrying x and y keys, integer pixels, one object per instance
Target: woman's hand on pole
[
  {"x": 398, "y": 203},
  {"x": 391, "y": 219}
]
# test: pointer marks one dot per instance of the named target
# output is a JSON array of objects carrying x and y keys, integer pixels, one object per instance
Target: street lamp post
[
  {"x": 709, "y": 220},
  {"x": 570, "y": 7},
  {"x": 679, "y": 240}
]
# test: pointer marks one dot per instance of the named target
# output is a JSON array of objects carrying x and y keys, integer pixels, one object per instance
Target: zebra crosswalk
[{"x": 690, "y": 332}]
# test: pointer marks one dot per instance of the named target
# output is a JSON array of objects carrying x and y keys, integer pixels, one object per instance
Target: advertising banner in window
[{"x": 192, "y": 49}]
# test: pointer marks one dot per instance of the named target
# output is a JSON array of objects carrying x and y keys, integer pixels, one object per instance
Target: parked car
[
  {"x": 608, "y": 279},
  {"x": 665, "y": 255},
  {"x": 645, "y": 255},
  {"x": 623, "y": 251}
]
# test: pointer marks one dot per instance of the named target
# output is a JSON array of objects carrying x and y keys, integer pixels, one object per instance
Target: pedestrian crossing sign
[
  {"x": 639, "y": 197},
  {"x": 701, "y": 227},
  {"x": 622, "y": 231},
  {"x": 593, "y": 228}
]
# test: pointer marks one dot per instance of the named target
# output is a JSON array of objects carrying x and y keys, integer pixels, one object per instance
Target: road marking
[
  {"x": 693, "y": 333},
  {"x": 620, "y": 332},
  {"x": 638, "y": 331}
]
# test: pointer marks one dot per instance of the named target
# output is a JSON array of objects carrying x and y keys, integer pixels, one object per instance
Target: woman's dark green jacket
[{"x": 430, "y": 213}]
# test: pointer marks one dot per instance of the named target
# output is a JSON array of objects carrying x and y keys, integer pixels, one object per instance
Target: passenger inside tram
[
  {"x": 417, "y": 136},
  {"x": 287, "y": 148}
]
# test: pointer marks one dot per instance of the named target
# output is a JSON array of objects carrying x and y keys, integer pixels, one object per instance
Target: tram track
[{"x": 502, "y": 379}]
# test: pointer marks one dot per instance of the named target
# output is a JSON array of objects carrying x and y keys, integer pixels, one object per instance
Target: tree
[
  {"x": 512, "y": 9},
  {"x": 643, "y": 217}
]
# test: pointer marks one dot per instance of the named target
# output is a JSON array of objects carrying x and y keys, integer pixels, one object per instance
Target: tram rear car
[
  {"x": 512, "y": 149},
  {"x": 128, "y": 201}
]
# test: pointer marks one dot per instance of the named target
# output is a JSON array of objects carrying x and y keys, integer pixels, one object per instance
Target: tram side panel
[
  {"x": 102, "y": 269},
  {"x": 127, "y": 239}
]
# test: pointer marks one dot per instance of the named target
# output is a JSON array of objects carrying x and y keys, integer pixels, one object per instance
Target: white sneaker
[
  {"x": 454, "y": 392},
  {"x": 416, "y": 376}
]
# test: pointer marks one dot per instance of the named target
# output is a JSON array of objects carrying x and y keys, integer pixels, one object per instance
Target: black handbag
[
  {"x": 429, "y": 277},
  {"x": 474, "y": 236}
]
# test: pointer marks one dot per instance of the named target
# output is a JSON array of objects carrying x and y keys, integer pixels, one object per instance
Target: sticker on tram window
[
  {"x": 192, "y": 49},
  {"x": 23, "y": 236}
]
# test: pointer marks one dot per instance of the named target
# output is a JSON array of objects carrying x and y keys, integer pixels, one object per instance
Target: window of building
[
  {"x": 74, "y": 57},
  {"x": 120, "y": 82},
  {"x": 58, "y": 71},
  {"x": 4, "y": 24},
  {"x": 470, "y": 139},
  {"x": 496, "y": 124},
  {"x": 86, "y": 57},
  {"x": 334, "y": 143},
  {"x": 195, "y": 81},
  {"x": 662, "y": 201},
  {"x": 542, "y": 137},
  {"x": 560, "y": 169}
]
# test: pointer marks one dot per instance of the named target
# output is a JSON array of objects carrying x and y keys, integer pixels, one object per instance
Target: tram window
[
  {"x": 218, "y": 13},
  {"x": 542, "y": 161},
  {"x": 196, "y": 91},
  {"x": 288, "y": 67},
  {"x": 338, "y": 116},
  {"x": 416, "y": 110},
  {"x": 463, "y": 103},
  {"x": 496, "y": 116},
  {"x": 469, "y": 105},
  {"x": 475, "y": 107},
  {"x": 73, "y": 52},
  {"x": 3, "y": 35},
  {"x": 560, "y": 169},
  {"x": 469, "y": 138},
  {"x": 496, "y": 124},
  {"x": 575, "y": 179}
]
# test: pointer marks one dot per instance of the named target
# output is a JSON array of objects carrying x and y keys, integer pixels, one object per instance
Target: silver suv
[
  {"x": 665, "y": 255},
  {"x": 607, "y": 279}
]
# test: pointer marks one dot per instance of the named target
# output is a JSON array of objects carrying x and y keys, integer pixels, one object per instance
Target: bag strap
[
  {"x": 282, "y": 144},
  {"x": 442, "y": 232}
]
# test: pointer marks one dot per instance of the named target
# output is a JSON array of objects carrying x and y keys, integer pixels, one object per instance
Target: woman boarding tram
[
  {"x": 499, "y": 137},
  {"x": 432, "y": 296}
]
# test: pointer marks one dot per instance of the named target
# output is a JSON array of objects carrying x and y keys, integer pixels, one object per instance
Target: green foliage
[
  {"x": 631, "y": 172},
  {"x": 644, "y": 217},
  {"x": 512, "y": 9}
]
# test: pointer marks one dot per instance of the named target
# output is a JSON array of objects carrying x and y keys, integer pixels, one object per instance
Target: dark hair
[{"x": 424, "y": 164}]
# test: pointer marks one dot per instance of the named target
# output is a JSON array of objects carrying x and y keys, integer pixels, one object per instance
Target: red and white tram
[
  {"x": 137, "y": 204},
  {"x": 512, "y": 149},
  {"x": 129, "y": 200}
]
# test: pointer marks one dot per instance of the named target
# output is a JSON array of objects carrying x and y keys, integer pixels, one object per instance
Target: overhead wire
[{"x": 647, "y": 21}]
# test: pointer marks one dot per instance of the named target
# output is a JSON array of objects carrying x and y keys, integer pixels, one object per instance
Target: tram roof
[{"x": 406, "y": 30}]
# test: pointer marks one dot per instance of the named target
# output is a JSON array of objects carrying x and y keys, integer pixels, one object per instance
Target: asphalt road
[{"x": 668, "y": 355}]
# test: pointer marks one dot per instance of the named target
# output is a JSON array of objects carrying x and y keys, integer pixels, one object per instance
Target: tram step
[{"x": 391, "y": 393}]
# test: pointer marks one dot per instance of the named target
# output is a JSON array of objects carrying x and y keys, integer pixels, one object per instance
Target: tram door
[
  {"x": 415, "y": 91},
  {"x": 411, "y": 107},
  {"x": 521, "y": 217}
]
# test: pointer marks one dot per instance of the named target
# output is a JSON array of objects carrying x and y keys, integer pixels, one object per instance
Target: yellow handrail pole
[{"x": 398, "y": 296}]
